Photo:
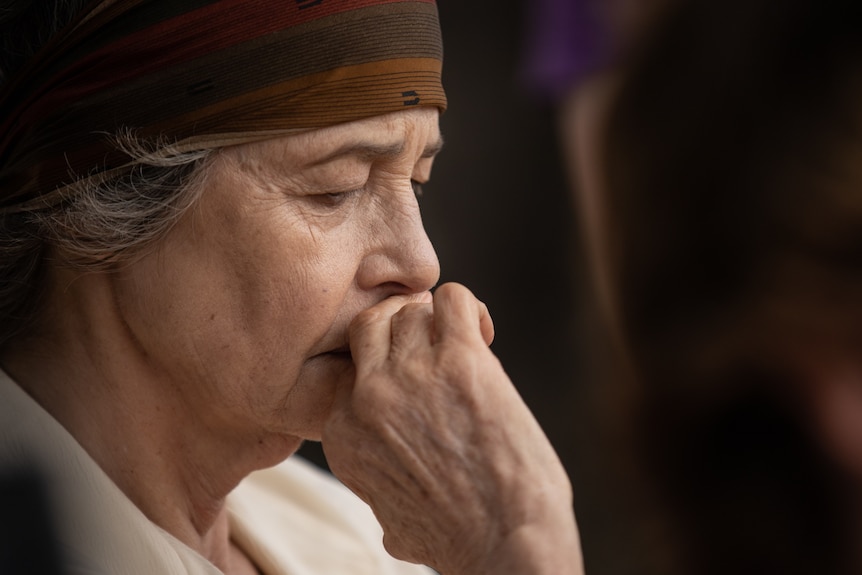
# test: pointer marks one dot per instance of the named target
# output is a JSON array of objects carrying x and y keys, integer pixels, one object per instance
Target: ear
[{"x": 836, "y": 407}]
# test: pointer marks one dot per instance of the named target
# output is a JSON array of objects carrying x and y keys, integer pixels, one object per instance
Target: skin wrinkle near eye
[
  {"x": 370, "y": 152},
  {"x": 311, "y": 232},
  {"x": 343, "y": 175},
  {"x": 364, "y": 151}
]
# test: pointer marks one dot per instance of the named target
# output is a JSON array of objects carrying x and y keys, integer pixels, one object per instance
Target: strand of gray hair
[{"x": 103, "y": 224}]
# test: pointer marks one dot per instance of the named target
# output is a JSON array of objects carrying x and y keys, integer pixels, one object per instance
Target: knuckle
[
  {"x": 450, "y": 290},
  {"x": 413, "y": 308},
  {"x": 407, "y": 313},
  {"x": 364, "y": 320}
]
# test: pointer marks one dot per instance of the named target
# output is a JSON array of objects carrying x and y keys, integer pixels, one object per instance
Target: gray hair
[{"x": 101, "y": 225}]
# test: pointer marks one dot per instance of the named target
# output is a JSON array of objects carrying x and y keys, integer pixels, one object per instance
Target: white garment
[{"x": 292, "y": 519}]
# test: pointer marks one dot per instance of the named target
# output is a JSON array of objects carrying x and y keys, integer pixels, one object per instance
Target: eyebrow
[{"x": 369, "y": 151}]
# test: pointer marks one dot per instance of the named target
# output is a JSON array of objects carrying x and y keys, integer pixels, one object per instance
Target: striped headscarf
[{"x": 199, "y": 74}]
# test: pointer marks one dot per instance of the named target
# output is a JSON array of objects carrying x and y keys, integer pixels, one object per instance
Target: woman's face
[{"x": 244, "y": 308}]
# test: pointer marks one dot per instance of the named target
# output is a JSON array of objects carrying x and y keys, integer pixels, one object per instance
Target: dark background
[{"x": 501, "y": 214}]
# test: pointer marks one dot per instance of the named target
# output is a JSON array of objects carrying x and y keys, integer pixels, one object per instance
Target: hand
[{"x": 435, "y": 438}]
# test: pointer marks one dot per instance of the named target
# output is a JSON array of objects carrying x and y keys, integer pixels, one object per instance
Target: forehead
[{"x": 411, "y": 133}]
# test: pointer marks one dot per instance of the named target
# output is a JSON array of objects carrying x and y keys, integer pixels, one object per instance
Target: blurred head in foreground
[{"x": 725, "y": 214}]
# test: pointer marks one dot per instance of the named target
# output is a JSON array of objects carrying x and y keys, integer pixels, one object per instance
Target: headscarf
[{"x": 199, "y": 74}]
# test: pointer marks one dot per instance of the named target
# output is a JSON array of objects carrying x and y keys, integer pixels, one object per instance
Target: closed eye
[{"x": 334, "y": 199}]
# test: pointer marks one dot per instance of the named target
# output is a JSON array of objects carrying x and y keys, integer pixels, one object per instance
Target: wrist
[{"x": 551, "y": 547}]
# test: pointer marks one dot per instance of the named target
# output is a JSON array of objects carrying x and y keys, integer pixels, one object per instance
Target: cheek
[
  {"x": 239, "y": 306},
  {"x": 284, "y": 299}
]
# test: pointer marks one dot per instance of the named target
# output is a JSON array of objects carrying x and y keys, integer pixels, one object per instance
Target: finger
[
  {"x": 370, "y": 332},
  {"x": 458, "y": 315},
  {"x": 412, "y": 329}
]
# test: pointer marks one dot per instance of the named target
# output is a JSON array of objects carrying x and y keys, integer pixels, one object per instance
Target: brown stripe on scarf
[{"x": 201, "y": 79}]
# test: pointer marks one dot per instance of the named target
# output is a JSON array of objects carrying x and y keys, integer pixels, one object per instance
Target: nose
[{"x": 402, "y": 259}]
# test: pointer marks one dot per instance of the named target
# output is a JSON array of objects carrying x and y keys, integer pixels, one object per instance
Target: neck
[{"x": 176, "y": 466}]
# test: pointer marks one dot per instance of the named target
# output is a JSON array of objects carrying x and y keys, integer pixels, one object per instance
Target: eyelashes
[
  {"x": 335, "y": 199},
  {"x": 332, "y": 200}
]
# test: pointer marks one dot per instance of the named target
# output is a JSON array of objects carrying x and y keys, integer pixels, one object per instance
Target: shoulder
[{"x": 300, "y": 516}]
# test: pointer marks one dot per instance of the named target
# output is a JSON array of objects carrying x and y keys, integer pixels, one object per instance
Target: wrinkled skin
[{"x": 434, "y": 436}]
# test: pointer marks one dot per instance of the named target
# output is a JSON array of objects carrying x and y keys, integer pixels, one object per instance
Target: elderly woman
[{"x": 210, "y": 251}]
